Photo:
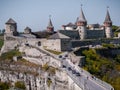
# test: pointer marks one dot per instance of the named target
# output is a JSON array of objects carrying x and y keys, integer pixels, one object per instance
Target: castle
[
  {"x": 80, "y": 28},
  {"x": 70, "y": 36}
]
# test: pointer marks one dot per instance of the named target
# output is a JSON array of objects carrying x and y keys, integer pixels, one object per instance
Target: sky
[{"x": 35, "y": 13}]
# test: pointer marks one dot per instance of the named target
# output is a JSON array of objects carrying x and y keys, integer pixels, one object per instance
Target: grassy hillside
[
  {"x": 107, "y": 69},
  {"x": 9, "y": 55}
]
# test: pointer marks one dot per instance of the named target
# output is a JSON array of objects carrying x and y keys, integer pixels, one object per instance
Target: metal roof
[{"x": 59, "y": 35}]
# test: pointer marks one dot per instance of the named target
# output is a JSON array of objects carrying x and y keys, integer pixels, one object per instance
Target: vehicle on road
[
  {"x": 73, "y": 71},
  {"x": 77, "y": 74},
  {"x": 63, "y": 66},
  {"x": 69, "y": 68}
]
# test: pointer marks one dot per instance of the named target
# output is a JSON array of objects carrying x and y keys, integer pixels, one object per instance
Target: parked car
[
  {"x": 63, "y": 66},
  {"x": 63, "y": 58},
  {"x": 66, "y": 55},
  {"x": 77, "y": 74},
  {"x": 73, "y": 71},
  {"x": 60, "y": 56}
]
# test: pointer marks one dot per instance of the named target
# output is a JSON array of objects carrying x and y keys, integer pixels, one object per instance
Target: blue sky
[{"x": 35, "y": 13}]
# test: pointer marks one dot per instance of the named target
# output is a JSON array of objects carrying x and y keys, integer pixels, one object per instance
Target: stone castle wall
[
  {"x": 53, "y": 44},
  {"x": 87, "y": 42},
  {"x": 94, "y": 34}
]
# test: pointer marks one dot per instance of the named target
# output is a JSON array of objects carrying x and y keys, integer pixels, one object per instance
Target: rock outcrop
[{"x": 34, "y": 78}]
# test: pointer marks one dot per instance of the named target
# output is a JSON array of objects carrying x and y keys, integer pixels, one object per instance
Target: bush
[
  {"x": 52, "y": 70},
  {"x": 118, "y": 58},
  {"x": 108, "y": 45},
  {"x": 49, "y": 82},
  {"x": 20, "y": 85},
  {"x": 4, "y": 85},
  {"x": 1, "y": 43},
  {"x": 45, "y": 67},
  {"x": 54, "y": 52},
  {"x": 9, "y": 55}
]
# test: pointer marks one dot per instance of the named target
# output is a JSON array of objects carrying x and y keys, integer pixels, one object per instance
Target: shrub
[
  {"x": 9, "y": 55},
  {"x": 45, "y": 67},
  {"x": 108, "y": 45},
  {"x": 49, "y": 82},
  {"x": 4, "y": 85},
  {"x": 54, "y": 52},
  {"x": 20, "y": 85},
  {"x": 52, "y": 70},
  {"x": 118, "y": 58},
  {"x": 1, "y": 43}
]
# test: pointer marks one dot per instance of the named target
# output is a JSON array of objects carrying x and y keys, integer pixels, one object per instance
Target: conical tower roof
[
  {"x": 77, "y": 20},
  {"x": 50, "y": 23},
  {"x": 82, "y": 17},
  {"x": 27, "y": 28},
  {"x": 10, "y": 21},
  {"x": 107, "y": 18}
]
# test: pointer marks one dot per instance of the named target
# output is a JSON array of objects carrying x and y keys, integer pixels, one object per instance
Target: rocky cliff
[{"x": 34, "y": 78}]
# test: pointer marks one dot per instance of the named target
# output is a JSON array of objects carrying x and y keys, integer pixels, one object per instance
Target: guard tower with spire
[
  {"x": 50, "y": 27},
  {"x": 11, "y": 27},
  {"x": 108, "y": 25},
  {"x": 81, "y": 25}
]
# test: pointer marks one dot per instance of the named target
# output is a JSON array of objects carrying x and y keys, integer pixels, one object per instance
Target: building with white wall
[{"x": 58, "y": 42}]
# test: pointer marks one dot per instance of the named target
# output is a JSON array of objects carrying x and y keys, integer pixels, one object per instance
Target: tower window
[{"x": 39, "y": 43}]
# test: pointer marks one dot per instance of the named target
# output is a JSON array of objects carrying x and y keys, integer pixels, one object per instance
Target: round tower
[
  {"x": 27, "y": 30},
  {"x": 108, "y": 25},
  {"x": 11, "y": 27},
  {"x": 81, "y": 25}
]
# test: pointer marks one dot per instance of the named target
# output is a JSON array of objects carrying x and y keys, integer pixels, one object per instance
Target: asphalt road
[{"x": 82, "y": 80}]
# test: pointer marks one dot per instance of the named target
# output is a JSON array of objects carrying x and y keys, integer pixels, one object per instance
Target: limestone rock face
[
  {"x": 34, "y": 54},
  {"x": 32, "y": 82}
]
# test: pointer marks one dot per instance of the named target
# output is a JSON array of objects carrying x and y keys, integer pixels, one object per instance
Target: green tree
[
  {"x": 1, "y": 43},
  {"x": 117, "y": 58},
  {"x": 3, "y": 31},
  {"x": 114, "y": 28},
  {"x": 0, "y": 31}
]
